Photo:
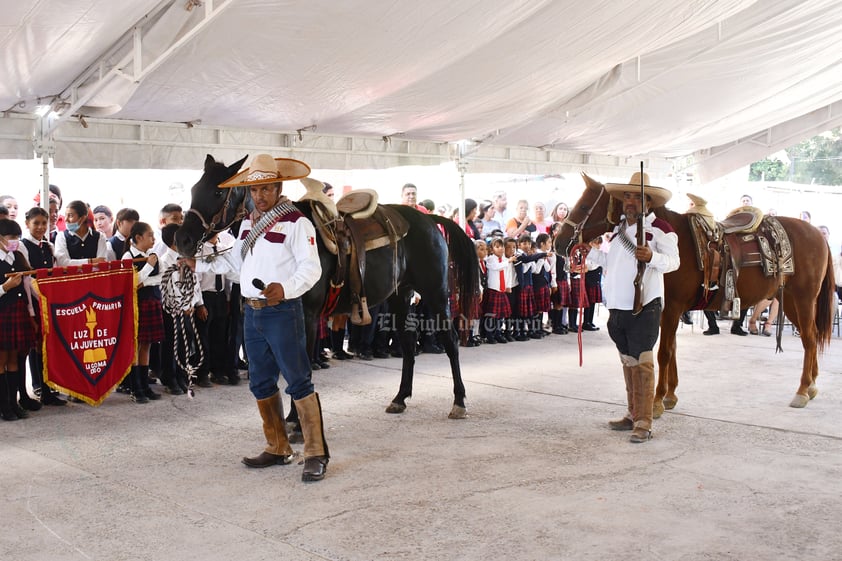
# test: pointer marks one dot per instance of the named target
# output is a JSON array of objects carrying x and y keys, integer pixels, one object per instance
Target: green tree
[
  {"x": 817, "y": 159},
  {"x": 768, "y": 170}
]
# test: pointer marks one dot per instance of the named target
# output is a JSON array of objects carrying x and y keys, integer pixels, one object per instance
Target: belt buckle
[{"x": 256, "y": 303}]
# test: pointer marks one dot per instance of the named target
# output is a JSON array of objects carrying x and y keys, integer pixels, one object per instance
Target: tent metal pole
[{"x": 45, "y": 188}]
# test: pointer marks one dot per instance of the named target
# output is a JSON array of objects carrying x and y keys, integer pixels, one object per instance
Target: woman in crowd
[
  {"x": 560, "y": 213},
  {"x": 543, "y": 223},
  {"x": 520, "y": 222}
]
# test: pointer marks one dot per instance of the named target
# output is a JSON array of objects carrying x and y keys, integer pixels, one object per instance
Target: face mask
[
  {"x": 12, "y": 245},
  {"x": 72, "y": 227}
]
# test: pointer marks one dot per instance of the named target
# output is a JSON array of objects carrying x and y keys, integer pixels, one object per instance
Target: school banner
[{"x": 89, "y": 324}]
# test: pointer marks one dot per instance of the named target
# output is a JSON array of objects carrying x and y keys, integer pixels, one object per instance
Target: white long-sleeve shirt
[
  {"x": 498, "y": 275},
  {"x": 63, "y": 256},
  {"x": 621, "y": 265},
  {"x": 144, "y": 275},
  {"x": 286, "y": 254}
]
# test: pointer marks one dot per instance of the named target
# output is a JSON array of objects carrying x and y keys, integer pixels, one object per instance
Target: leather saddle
[
  {"x": 746, "y": 238},
  {"x": 355, "y": 225}
]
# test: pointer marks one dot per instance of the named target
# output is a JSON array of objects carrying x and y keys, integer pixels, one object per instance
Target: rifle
[{"x": 641, "y": 239}]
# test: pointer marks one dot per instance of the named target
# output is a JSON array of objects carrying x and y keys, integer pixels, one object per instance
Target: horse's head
[
  {"x": 593, "y": 214},
  {"x": 212, "y": 209}
]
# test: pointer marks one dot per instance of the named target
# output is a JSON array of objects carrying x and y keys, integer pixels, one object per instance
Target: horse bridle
[
  {"x": 209, "y": 227},
  {"x": 579, "y": 227}
]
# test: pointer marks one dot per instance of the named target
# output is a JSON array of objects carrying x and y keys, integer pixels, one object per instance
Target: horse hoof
[
  {"x": 799, "y": 401},
  {"x": 457, "y": 412},
  {"x": 670, "y": 402},
  {"x": 395, "y": 408},
  {"x": 812, "y": 391},
  {"x": 657, "y": 409}
]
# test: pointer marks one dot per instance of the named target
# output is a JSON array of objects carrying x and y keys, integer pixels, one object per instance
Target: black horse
[{"x": 434, "y": 251}]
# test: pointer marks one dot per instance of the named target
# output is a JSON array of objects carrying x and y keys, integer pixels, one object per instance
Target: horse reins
[
  {"x": 580, "y": 250},
  {"x": 174, "y": 306}
]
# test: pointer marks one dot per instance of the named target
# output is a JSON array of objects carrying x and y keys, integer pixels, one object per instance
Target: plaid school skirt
[
  {"x": 542, "y": 299},
  {"x": 591, "y": 295},
  {"x": 561, "y": 297},
  {"x": 150, "y": 321},
  {"x": 496, "y": 304},
  {"x": 526, "y": 303},
  {"x": 16, "y": 330}
]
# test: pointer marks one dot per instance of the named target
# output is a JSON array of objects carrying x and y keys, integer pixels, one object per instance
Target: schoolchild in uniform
[
  {"x": 541, "y": 278},
  {"x": 495, "y": 300},
  {"x": 477, "y": 325},
  {"x": 79, "y": 243},
  {"x": 117, "y": 244},
  {"x": 150, "y": 323},
  {"x": 513, "y": 294},
  {"x": 173, "y": 377},
  {"x": 526, "y": 299},
  {"x": 559, "y": 290},
  {"x": 17, "y": 326},
  {"x": 38, "y": 251}
]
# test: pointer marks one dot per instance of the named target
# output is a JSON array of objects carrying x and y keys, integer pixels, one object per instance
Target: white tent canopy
[{"x": 529, "y": 86}]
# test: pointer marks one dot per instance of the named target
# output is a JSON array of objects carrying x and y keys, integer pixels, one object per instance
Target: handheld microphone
[{"x": 258, "y": 284}]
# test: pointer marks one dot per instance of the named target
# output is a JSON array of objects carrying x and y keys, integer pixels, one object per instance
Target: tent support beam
[{"x": 132, "y": 59}]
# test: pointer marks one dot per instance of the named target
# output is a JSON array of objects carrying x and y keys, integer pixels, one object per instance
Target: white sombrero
[
  {"x": 266, "y": 169},
  {"x": 658, "y": 195}
]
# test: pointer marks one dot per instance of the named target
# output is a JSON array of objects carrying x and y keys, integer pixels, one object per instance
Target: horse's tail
[
  {"x": 825, "y": 306},
  {"x": 463, "y": 256}
]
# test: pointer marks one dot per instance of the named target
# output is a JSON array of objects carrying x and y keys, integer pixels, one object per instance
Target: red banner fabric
[{"x": 89, "y": 321}]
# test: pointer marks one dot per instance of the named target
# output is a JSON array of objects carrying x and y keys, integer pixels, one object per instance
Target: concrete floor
[{"x": 532, "y": 473}]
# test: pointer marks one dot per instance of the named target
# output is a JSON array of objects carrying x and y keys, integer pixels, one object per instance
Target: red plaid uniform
[
  {"x": 526, "y": 306},
  {"x": 496, "y": 304},
  {"x": 150, "y": 321},
  {"x": 592, "y": 294},
  {"x": 542, "y": 299},
  {"x": 16, "y": 330}
]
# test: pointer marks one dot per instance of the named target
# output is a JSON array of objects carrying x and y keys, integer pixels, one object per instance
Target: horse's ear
[
  {"x": 235, "y": 167},
  {"x": 590, "y": 182},
  {"x": 209, "y": 162}
]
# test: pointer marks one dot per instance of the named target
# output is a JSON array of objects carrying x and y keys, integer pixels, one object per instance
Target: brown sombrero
[
  {"x": 265, "y": 169},
  {"x": 658, "y": 195}
]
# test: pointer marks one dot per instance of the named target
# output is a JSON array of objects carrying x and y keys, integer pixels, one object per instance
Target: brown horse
[{"x": 807, "y": 296}]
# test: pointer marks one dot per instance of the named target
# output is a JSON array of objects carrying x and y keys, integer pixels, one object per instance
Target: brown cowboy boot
[
  {"x": 644, "y": 397},
  {"x": 626, "y": 422},
  {"x": 278, "y": 451},
  {"x": 316, "y": 454}
]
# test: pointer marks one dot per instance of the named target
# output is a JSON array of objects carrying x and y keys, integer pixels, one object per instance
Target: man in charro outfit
[
  {"x": 635, "y": 334},
  {"x": 276, "y": 251}
]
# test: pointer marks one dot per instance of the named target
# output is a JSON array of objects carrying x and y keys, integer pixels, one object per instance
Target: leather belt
[{"x": 258, "y": 303}]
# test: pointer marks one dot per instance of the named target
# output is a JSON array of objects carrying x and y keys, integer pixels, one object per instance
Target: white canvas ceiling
[{"x": 532, "y": 86}]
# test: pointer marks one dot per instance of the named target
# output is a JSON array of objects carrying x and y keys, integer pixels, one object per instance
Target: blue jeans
[{"x": 276, "y": 343}]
